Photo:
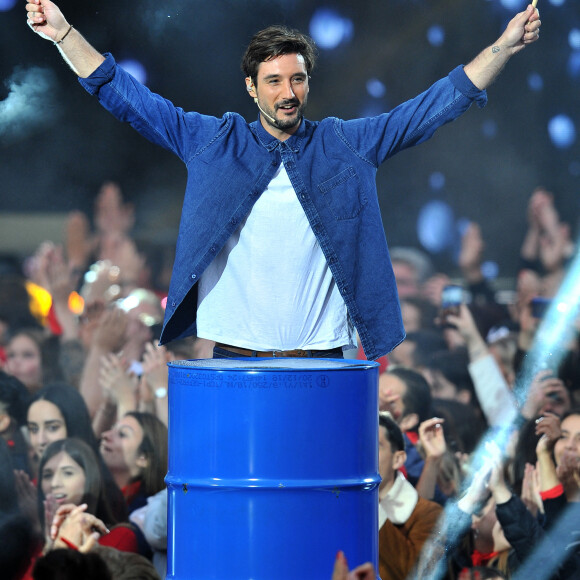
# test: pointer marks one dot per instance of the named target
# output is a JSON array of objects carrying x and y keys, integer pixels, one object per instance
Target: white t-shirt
[{"x": 270, "y": 287}]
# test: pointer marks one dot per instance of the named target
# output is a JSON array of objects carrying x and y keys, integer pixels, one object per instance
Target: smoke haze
[{"x": 30, "y": 105}]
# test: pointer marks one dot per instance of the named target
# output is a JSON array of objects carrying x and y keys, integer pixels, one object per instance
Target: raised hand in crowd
[
  {"x": 113, "y": 216},
  {"x": 548, "y": 428},
  {"x": 55, "y": 275},
  {"x": 465, "y": 324},
  {"x": 154, "y": 381},
  {"x": 433, "y": 445},
  {"x": 27, "y": 499},
  {"x": 72, "y": 527},
  {"x": 109, "y": 337},
  {"x": 531, "y": 488},
  {"x": 540, "y": 215},
  {"x": 341, "y": 572},
  {"x": 119, "y": 388},
  {"x": 546, "y": 393}
]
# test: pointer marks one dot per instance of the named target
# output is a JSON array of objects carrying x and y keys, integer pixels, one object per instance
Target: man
[
  {"x": 281, "y": 250},
  {"x": 406, "y": 395},
  {"x": 405, "y": 519}
]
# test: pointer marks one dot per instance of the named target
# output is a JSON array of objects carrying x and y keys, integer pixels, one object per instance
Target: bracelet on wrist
[{"x": 64, "y": 35}]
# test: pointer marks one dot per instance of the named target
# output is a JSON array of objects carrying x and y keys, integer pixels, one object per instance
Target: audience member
[
  {"x": 70, "y": 473},
  {"x": 106, "y": 347},
  {"x": 135, "y": 451},
  {"x": 14, "y": 399},
  {"x": 406, "y": 520},
  {"x": 27, "y": 358},
  {"x": 412, "y": 269}
]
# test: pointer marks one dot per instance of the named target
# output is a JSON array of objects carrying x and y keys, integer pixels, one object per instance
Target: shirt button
[
  {"x": 212, "y": 249},
  {"x": 233, "y": 221},
  {"x": 193, "y": 276},
  {"x": 303, "y": 195},
  {"x": 274, "y": 163}
]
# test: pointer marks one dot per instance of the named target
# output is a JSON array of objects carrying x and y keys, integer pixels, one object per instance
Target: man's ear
[
  {"x": 250, "y": 87},
  {"x": 4, "y": 422},
  {"x": 409, "y": 422},
  {"x": 399, "y": 458}
]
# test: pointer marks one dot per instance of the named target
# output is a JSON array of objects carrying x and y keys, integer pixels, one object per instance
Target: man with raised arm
[{"x": 281, "y": 248}]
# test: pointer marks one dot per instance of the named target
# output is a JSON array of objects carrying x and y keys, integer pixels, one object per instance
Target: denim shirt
[{"x": 332, "y": 165}]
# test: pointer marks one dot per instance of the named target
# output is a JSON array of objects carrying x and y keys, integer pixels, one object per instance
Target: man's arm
[
  {"x": 522, "y": 30},
  {"x": 46, "y": 19}
]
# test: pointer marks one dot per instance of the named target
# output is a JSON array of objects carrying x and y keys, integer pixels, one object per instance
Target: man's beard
[{"x": 285, "y": 124}]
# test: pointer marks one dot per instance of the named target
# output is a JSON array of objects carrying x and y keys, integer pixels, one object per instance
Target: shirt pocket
[{"x": 343, "y": 194}]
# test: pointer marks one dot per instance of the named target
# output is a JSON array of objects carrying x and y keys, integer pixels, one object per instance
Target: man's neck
[{"x": 280, "y": 134}]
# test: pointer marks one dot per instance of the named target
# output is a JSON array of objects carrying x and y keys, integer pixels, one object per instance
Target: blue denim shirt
[{"x": 332, "y": 165}]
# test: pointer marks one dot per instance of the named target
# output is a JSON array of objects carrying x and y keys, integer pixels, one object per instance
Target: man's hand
[
  {"x": 46, "y": 19},
  {"x": 363, "y": 572},
  {"x": 432, "y": 438},
  {"x": 523, "y": 29}
]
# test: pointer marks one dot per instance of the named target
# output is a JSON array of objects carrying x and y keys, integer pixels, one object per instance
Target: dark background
[{"x": 57, "y": 150}]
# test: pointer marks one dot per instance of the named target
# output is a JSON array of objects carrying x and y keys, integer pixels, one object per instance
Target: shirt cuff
[
  {"x": 553, "y": 493},
  {"x": 101, "y": 76},
  {"x": 463, "y": 84}
]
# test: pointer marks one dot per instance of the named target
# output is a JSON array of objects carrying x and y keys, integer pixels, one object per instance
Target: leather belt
[{"x": 268, "y": 353}]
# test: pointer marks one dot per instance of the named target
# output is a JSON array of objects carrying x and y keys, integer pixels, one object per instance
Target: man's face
[
  {"x": 389, "y": 461},
  {"x": 406, "y": 278},
  {"x": 391, "y": 392},
  {"x": 282, "y": 92}
]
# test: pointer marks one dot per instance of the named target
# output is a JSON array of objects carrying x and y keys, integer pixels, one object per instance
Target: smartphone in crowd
[{"x": 451, "y": 299}]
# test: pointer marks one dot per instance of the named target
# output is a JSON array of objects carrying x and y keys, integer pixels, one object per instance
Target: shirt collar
[
  {"x": 270, "y": 142},
  {"x": 398, "y": 503}
]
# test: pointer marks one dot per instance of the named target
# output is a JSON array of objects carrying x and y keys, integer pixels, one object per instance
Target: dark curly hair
[{"x": 276, "y": 41}]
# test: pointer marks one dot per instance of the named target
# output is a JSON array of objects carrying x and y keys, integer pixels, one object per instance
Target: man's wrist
[{"x": 62, "y": 34}]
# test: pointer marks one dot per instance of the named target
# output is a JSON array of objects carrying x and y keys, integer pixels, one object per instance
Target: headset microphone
[{"x": 271, "y": 119}]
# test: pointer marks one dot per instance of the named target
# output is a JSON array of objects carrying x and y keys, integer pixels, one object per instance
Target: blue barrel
[{"x": 273, "y": 467}]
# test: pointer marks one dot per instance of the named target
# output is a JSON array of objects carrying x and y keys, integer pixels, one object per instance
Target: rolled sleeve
[
  {"x": 463, "y": 84},
  {"x": 101, "y": 76}
]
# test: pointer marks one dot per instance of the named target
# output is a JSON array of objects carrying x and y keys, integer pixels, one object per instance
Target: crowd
[{"x": 479, "y": 420}]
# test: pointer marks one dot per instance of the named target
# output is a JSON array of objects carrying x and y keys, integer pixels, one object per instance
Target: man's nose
[{"x": 288, "y": 92}]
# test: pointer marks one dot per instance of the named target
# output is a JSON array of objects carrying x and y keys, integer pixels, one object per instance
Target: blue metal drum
[{"x": 273, "y": 467}]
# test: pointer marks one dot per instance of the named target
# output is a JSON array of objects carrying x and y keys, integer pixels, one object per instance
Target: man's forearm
[
  {"x": 487, "y": 65},
  {"x": 79, "y": 54}
]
